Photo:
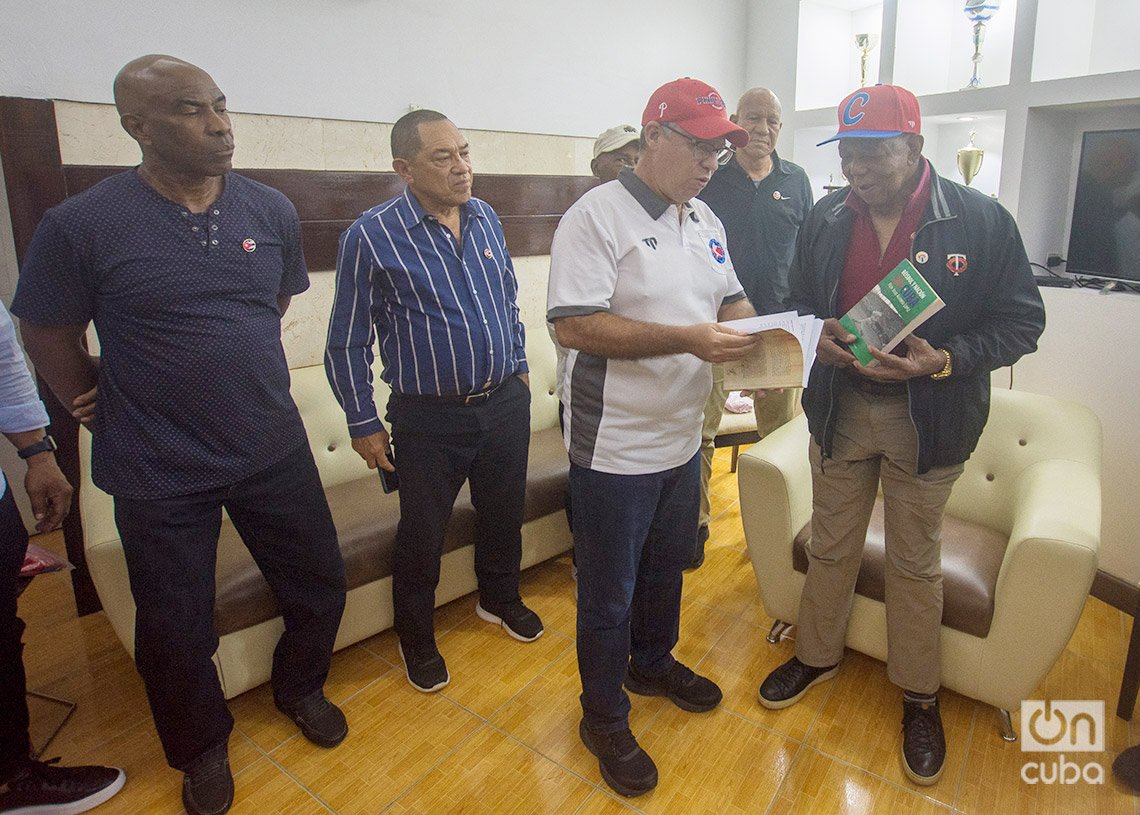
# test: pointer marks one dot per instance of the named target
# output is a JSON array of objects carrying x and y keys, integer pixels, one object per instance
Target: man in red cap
[
  {"x": 639, "y": 278},
  {"x": 912, "y": 420}
]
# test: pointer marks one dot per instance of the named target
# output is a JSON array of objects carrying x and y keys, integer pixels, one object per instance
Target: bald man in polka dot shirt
[{"x": 186, "y": 269}]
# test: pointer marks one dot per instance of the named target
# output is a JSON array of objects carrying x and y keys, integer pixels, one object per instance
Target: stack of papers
[{"x": 784, "y": 356}]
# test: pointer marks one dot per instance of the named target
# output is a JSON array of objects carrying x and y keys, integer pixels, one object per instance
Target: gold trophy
[
  {"x": 866, "y": 44},
  {"x": 970, "y": 159}
]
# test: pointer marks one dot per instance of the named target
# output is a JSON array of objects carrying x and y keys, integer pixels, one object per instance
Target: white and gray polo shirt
[{"x": 621, "y": 249}]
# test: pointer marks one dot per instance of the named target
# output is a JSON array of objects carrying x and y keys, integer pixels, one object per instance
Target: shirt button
[
  {"x": 484, "y": 322},
  {"x": 214, "y": 227},
  {"x": 214, "y": 241},
  {"x": 193, "y": 229},
  {"x": 216, "y": 212},
  {"x": 203, "y": 243},
  {"x": 185, "y": 214}
]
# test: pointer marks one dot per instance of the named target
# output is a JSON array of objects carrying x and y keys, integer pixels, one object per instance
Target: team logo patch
[
  {"x": 850, "y": 115},
  {"x": 713, "y": 99},
  {"x": 777, "y": 195},
  {"x": 922, "y": 257},
  {"x": 956, "y": 263},
  {"x": 487, "y": 253},
  {"x": 249, "y": 245},
  {"x": 717, "y": 250}
]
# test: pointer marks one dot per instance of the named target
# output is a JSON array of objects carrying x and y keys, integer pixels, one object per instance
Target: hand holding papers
[{"x": 783, "y": 357}]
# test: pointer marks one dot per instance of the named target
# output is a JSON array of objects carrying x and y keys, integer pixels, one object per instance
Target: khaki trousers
[
  {"x": 772, "y": 410},
  {"x": 875, "y": 441}
]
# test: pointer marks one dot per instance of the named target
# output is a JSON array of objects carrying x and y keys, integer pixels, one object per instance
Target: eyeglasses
[{"x": 702, "y": 149}]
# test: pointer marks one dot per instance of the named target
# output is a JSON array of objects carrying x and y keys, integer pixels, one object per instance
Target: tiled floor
[{"x": 502, "y": 737}]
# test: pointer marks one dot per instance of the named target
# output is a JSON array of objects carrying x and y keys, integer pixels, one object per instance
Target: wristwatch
[
  {"x": 45, "y": 445},
  {"x": 947, "y": 369}
]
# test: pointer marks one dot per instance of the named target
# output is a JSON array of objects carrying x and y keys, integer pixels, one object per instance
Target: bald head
[
  {"x": 177, "y": 114},
  {"x": 759, "y": 113}
]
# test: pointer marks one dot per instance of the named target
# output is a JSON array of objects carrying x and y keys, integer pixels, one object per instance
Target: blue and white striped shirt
[{"x": 447, "y": 318}]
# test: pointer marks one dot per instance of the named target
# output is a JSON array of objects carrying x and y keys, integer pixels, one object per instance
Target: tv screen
[{"x": 1104, "y": 240}]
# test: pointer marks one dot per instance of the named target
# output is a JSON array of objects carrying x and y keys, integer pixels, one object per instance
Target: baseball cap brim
[
  {"x": 862, "y": 134},
  {"x": 713, "y": 127}
]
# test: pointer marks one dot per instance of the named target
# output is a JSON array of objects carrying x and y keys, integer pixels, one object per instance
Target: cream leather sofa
[
  {"x": 1020, "y": 545},
  {"x": 246, "y": 616}
]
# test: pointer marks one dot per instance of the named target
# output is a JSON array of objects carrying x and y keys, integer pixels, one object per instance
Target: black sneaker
[
  {"x": 425, "y": 668},
  {"x": 625, "y": 766},
  {"x": 515, "y": 618},
  {"x": 699, "y": 550},
  {"x": 45, "y": 789},
  {"x": 208, "y": 786},
  {"x": 685, "y": 689},
  {"x": 321, "y": 721},
  {"x": 924, "y": 743},
  {"x": 787, "y": 684}
]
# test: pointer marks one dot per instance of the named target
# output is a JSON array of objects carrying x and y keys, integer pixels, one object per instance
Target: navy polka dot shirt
[{"x": 193, "y": 385}]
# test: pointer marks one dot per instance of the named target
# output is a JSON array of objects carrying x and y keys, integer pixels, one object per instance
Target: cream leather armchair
[{"x": 1034, "y": 480}]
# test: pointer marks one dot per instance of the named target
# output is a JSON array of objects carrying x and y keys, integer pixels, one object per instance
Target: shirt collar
[
  {"x": 650, "y": 201},
  {"x": 918, "y": 198},
  {"x": 416, "y": 213}
]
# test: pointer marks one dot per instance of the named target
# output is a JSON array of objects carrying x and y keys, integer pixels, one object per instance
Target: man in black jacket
[{"x": 914, "y": 418}]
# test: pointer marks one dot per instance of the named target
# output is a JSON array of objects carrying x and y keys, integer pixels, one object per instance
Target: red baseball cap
[
  {"x": 696, "y": 108},
  {"x": 880, "y": 112}
]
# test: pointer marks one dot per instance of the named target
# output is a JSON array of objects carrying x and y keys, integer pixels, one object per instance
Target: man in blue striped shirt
[{"x": 427, "y": 273}]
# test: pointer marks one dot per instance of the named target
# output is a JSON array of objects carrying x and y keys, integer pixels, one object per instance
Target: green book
[{"x": 900, "y": 303}]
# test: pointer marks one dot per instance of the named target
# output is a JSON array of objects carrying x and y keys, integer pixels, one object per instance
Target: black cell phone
[{"x": 389, "y": 481}]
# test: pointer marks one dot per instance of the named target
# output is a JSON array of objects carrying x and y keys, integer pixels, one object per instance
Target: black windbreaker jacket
[{"x": 993, "y": 314}]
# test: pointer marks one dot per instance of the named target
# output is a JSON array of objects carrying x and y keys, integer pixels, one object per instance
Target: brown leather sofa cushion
[
  {"x": 366, "y": 519},
  {"x": 971, "y": 559}
]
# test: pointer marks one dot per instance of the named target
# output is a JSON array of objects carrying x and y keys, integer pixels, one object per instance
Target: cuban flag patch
[{"x": 716, "y": 249}]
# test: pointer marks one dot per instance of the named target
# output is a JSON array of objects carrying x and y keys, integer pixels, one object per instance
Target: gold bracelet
[{"x": 947, "y": 368}]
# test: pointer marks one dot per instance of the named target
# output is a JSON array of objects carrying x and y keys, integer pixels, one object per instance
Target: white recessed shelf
[{"x": 828, "y": 60}]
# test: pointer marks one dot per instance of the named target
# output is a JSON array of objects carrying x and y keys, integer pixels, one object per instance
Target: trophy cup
[
  {"x": 866, "y": 44},
  {"x": 970, "y": 159},
  {"x": 979, "y": 13}
]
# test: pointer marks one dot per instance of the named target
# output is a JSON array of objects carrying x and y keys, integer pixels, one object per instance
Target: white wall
[
  {"x": 537, "y": 66},
  {"x": 1066, "y": 33}
]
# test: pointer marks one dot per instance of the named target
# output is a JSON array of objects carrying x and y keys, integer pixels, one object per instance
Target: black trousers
[
  {"x": 14, "y": 744},
  {"x": 439, "y": 444},
  {"x": 171, "y": 547}
]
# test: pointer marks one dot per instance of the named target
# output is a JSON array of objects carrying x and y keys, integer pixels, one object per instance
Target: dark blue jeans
[
  {"x": 171, "y": 547},
  {"x": 14, "y": 745},
  {"x": 439, "y": 444},
  {"x": 633, "y": 537}
]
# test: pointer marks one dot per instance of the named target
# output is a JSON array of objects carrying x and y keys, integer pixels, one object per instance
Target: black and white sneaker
[
  {"x": 42, "y": 788},
  {"x": 424, "y": 667},
  {"x": 515, "y": 618}
]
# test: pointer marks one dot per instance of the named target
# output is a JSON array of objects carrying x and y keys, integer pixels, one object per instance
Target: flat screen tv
[{"x": 1104, "y": 240}]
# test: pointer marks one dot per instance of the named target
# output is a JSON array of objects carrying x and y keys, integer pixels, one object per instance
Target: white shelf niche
[
  {"x": 934, "y": 46},
  {"x": 1092, "y": 37},
  {"x": 943, "y": 135},
  {"x": 827, "y": 64}
]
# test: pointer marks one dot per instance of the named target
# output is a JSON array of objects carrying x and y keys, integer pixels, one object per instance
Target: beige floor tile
[
  {"x": 385, "y": 644},
  {"x": 820, "y": 785},
  {"x": 993, "y": 780},
  {"x": 546, "y": 713},
  {"x": 488, "y": 667},
  {"x": 257, "y": 717},
  {"x": 605, "y": 803},
  {"x": 715, "y": 763},
  {"x": 861, "y": 723},
  {"x": 1101, "y": 634},
  {"x": 265, "y": 789},
  {"x": 724, "y": 581},
  {"x": 494, "y": 774},
  {"x": 740, "y": 662},
  {"x": 396, "y": 734}
]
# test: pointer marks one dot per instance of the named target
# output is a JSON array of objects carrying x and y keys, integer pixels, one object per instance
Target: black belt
[
  {"x": 874, "y": 387},
  {"x": 461, "y": 399}
]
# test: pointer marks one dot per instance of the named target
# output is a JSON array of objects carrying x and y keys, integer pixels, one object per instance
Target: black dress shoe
[
  {"x": 687, "y": 690},
  {"x": 787, "y": 684},
  {"x": 624, "y": 765},
  {"x": 924, "y": 743},
  {"x": 208, "y": 786},
  {"x": 321, "y": 721}
]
